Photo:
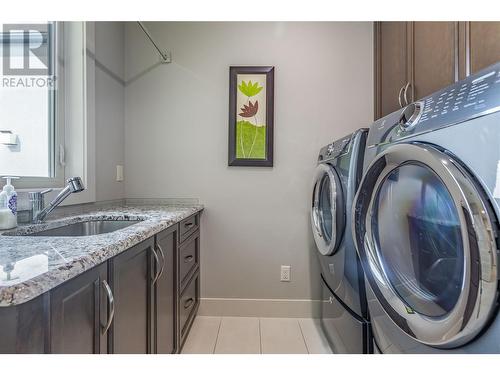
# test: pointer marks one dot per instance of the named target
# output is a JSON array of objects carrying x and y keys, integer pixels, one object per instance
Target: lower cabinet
[
  {"x": 131, "y": 281},
  {"x": 76, "y": 325},
  {"x": 135, "y": 303},
  {"x": 165, "y": 294},
  {"x": 188, "y": 305}
]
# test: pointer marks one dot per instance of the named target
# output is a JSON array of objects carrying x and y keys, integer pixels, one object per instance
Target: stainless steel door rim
[
  {"x": 479, "y": 281},
  {"x": 328, "y": 242}
]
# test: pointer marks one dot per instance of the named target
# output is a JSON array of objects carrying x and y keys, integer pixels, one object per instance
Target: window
[
  {"x": 28, "y": 97},
  {"x": 47, "y": 104}
]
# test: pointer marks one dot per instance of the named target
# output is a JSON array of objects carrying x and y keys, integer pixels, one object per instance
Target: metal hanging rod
[{"x": 165, "y": 56}]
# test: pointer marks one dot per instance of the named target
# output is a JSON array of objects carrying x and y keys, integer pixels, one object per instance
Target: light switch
[{"x": 119, "y": 173}]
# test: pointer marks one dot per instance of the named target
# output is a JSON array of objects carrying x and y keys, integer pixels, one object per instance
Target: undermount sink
[{"x": 85, "y": 228}]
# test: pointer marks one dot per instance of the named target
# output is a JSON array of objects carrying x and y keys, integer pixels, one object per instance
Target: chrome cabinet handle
[
  {"x": 405, "y": 92},
  {"x": 399, "y": 96},
  {"x": 157, "y": 261},
  {"x": 188, "y": 303},
  {"x": 188, "y": 258},
  {"x": 188, "y": 225},
  {"x": 111, "y": 306},
  {"x": 163, "y": 259}
]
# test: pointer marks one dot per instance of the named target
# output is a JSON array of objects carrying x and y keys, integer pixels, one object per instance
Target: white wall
[
  {"x": 176, "y": 134},
  {"x": 109, "y": 108}
]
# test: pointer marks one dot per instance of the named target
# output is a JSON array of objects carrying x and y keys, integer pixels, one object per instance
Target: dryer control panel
[
  {"x": 475, "y": 96},
  {"x": 465, "y": 99}
]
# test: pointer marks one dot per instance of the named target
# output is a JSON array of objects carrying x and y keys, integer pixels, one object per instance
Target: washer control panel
[
  {"x": 335, "y": 149},
  {"x": 475, "y": 96}
]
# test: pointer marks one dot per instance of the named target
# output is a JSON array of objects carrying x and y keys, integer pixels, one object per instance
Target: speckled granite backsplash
[{"x": 30, "y": 266}]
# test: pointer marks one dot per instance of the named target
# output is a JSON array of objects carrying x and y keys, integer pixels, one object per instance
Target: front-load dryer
[
  {"x": 344, "y": 311},
  {"x": 425, "y": 221}
]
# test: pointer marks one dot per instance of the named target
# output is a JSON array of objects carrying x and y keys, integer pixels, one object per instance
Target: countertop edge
[{"x": 18, "y": 294}]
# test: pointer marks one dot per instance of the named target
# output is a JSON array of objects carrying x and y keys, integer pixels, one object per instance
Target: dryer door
[
  {"x": 424, "y": 232},
  {"x": 327, "y": 213}
]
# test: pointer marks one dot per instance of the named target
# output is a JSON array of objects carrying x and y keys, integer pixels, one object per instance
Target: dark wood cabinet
[
  {"x": 412, "y": 60},
  {"x": 415, "y": 59},
  {"x": 189, "y": 258},
  {"x": 76, "y": 311},
  {"x": 188, "y": 226},
  {"x": 188, "y": 304},
  {"x": 165, "y": 294},
  {"x": 24, "y": 328},
  {"x": 434, "y": 62},
  {"x": 133, "y": 303},
  {"x": 482, "y": 45},
  {"x": 131, "y": 281},
  {"x": 188, "y": 276},
  {"x": 391, "y": 68}
]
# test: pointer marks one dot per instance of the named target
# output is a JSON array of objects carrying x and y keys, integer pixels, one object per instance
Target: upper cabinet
[
  {"x": 434, "y": 60},
  {"x": 482, "y": 44},
  {"x": 415, "y": 59},
  {"x": 391, "y": 41}
]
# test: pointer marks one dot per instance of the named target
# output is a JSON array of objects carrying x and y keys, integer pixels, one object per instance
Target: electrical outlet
[{"x": 285, "y": 273}]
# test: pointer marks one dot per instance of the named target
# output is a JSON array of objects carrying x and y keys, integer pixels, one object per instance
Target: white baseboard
[{"x": 282, "y": 308}]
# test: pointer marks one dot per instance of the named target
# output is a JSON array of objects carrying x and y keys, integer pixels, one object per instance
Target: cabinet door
[
  {"x": 165, "y": 293},
  {"x": 484, "y": 49},
  {"x": 391, "y": 70},
  {"x": 435, "y": 57},
  {"x": 131, "y": 276},
  {"x": 75, "y": 314}
]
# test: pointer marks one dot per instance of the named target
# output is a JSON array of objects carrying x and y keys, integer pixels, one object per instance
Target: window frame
[
  {"x": 55, "y": 123},
  {"x": 73, "y": 135}
]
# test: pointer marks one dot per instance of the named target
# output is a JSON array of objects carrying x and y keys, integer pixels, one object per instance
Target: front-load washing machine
[
  {"x": 425, "y": 221},
  {"x": 344, "y": 312}
]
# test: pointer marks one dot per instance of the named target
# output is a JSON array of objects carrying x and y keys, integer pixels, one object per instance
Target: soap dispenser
[{"x": 8, "y": 205}]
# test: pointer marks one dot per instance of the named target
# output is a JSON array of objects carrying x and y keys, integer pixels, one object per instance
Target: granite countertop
[{"x": 30, "y": 266}]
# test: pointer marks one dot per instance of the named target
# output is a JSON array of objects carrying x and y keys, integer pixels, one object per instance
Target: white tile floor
[{"x": 239, "y": 335}]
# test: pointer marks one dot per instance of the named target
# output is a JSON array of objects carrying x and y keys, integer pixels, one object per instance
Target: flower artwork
[
  {"x": 250, "y": 131},
  {"x": 251, "y": 116}
]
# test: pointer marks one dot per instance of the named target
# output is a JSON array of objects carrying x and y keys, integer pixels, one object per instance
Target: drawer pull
[
  {"x": 188, "y": 225},
  {"x": 188, "y": 303},
  {"x": 188, "y": 258}
]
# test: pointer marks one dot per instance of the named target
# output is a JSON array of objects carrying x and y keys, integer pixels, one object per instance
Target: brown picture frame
[{"x": 233, "y": 160}]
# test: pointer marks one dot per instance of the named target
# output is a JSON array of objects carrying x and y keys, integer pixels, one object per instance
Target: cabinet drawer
[
  {"x": 188, "y": 226},
  {"x": 188, "y": 304},
  {"x": 189, "y": 256}
]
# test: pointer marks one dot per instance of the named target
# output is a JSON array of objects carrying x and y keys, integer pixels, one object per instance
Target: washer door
[
  {"x": 424, "y": 232},
  {"x": 327, "y": 213}
]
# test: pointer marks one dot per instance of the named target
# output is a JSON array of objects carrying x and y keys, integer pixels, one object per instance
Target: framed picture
[{"x": 251, "y": 113}]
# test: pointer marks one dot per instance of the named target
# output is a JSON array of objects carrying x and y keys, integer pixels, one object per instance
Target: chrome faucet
[{"x": 38, "y": 210}]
